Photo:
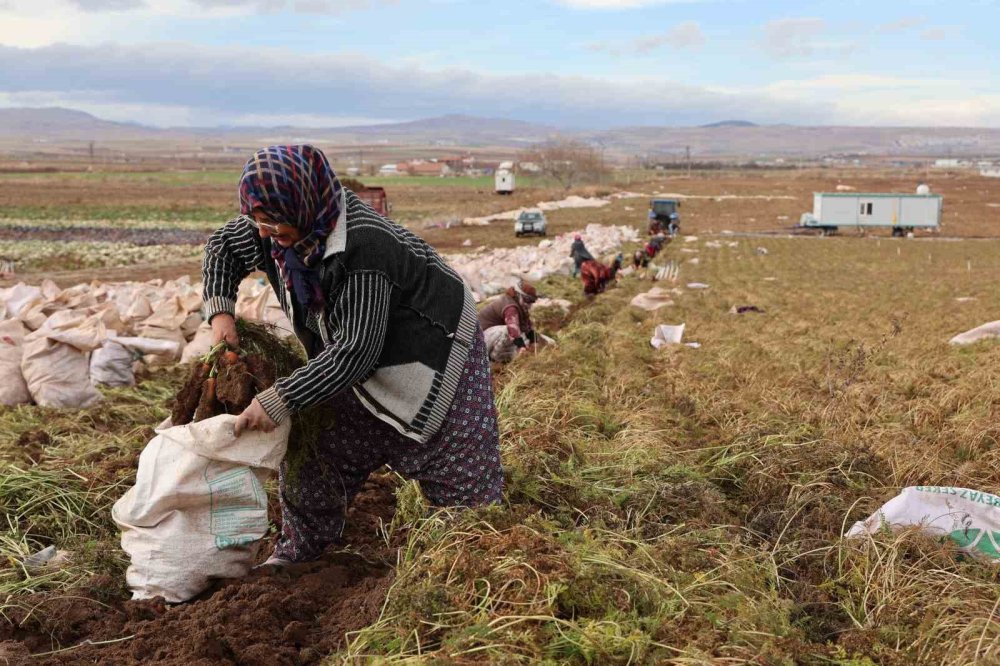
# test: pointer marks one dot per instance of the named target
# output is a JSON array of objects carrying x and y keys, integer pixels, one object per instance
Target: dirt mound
[{"x": 296, "y": 616}]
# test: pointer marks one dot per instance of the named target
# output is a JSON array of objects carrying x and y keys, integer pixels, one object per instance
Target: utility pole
[
  {"x": 687, "y": 153},
  {"x": 91, "y": 152}
]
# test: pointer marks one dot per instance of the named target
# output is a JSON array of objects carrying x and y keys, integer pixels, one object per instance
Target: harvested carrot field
[{"x": 682, "y": 505}]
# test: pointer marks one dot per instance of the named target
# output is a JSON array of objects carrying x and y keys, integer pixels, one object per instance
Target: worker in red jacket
[{"x": 596, "y": 276}]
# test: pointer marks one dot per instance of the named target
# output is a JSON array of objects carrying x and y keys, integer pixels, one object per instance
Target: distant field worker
[
  {"x": 655, "y": 226},
  {"x": 596, "y": 276},
  {"x": 641, "y": 258},
  {"x": 506, "y": 323},
  {"x": 578, "y": 251},
  {"x": 394, "y": 346}
]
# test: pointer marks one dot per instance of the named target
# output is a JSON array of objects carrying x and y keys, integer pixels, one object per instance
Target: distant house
[
  {"x": 456, "y": 163},
  {"x": 422, "y": 168},
  {"x": 993, "y": 172},
  {"x": 947, "y": 163},
  {"x": 388, "y": 170}
]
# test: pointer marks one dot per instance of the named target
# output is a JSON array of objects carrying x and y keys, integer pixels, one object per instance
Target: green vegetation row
[{"x": 136, "y": 217}]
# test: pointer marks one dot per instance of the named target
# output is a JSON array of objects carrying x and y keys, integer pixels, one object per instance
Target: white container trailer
[
  {"x": 901, "y": 212},
  {"x": 504, "y": 178}
]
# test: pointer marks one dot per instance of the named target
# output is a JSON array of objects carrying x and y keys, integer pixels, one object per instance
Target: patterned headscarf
[{"x": 295, "y": 185}]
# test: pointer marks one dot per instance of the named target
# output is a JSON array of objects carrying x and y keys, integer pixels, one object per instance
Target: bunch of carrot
[{"x": 220, "y": 382}]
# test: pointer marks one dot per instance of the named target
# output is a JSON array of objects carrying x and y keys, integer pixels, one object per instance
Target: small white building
[
  {"x": 990, "y": 172},
  {"x": 504, "y": 178},
  {"x": 388, "y": 170}
]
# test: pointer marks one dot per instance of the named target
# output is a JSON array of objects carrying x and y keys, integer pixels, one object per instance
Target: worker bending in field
[
  {"x": 596, "y": 276},
  {"x": 642, "y": 257},
  {"x": 655, "y": 226},
  {"x": 395, "y": 351},
  {"x": 578, "y": 251},
  {"x": 506, "y": 323}
]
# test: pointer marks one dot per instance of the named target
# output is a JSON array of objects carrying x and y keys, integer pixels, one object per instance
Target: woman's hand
[
  {"x": 253, "y": 418},
  {"x": 224, "y": 328}
]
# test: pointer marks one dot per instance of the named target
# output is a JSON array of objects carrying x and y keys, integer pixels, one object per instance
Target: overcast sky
[{"x": 569, "y": 63}]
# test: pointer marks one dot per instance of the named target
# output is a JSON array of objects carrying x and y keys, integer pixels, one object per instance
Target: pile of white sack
[
  {"x": 489, "y": 273},
  {"x": 57, "y": 344},
  {"x": 572, "y": 201}
]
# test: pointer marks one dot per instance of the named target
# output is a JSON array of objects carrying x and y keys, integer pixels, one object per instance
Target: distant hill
[
  {"x": 726, "y": 139},
  {"x": 59, "y": 123},
  {"x": 732, "y": 123},
  {"x": 456, "y": 129}
]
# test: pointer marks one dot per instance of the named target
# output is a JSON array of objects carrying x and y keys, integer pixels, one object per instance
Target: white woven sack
[
  {"x": 652, "y": 300},
  {"x": 200, "y": 344},
  {"x": 55, "y": 363},
  {"x": 198, "y": 509},
  {"x": 667, "y": 334},
  {"x": 989, "y": 331},
  {"x": 111, "y": 365},
  {"x": 970, "y": 518},
  {"x": 13, "y": 390}
]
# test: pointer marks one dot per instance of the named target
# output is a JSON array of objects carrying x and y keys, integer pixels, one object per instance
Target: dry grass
[
  {"x": 686, "y": 506},
  {"x": 678, "y": 506}
]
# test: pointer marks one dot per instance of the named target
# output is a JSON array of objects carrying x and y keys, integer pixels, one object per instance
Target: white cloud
[
  {"x": 202, "y": 9},
  {"x": 303, "y": 120},
  {"x": 619, "y": 4},
  {"x": 686, "y": 35},
  {"x": 297, "y": 6},
  {"x": 107, "y": 5},
  {"x": 43, "y": 26},
  {"x": 864, "y": 99},
  {"x": 186, "y": 84},
  {"x": 218, "y": 85},
  {"x": 934, "y": 34},
  {"x": 792, "y": 37},
  {"x": 30, "y": 23},
  {"x": 851, "y": 83},
  {"x": 902, "y": 24}
]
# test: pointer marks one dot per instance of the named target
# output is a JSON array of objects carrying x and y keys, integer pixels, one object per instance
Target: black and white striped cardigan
[{"x": 397, "y": 326}]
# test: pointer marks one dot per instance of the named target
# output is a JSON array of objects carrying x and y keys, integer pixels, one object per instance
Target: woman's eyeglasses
[{"x": 271, "y": 229}]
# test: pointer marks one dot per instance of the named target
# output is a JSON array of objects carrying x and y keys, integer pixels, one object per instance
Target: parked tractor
[{"x": 663, "y": 217}]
